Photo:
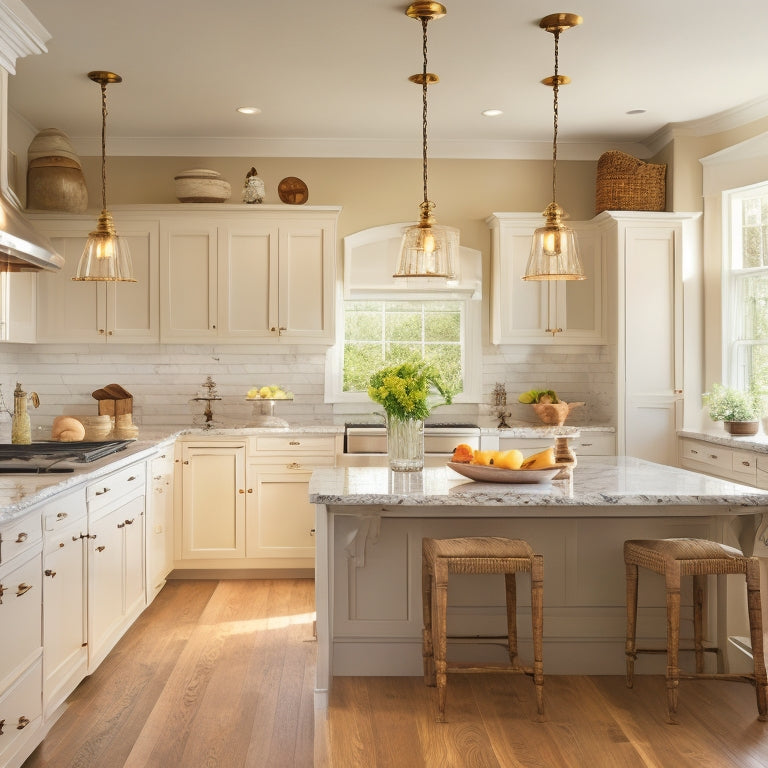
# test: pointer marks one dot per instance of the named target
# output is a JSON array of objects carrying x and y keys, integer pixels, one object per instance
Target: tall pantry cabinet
[{"x": 655, "y": 310}]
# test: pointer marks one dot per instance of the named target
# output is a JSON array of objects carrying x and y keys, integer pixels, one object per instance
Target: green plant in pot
[{"x": 738, "y": 410}]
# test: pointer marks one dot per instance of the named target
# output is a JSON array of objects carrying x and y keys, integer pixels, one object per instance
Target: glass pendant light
[
  {"x": 106, "y": 256},
  {"x": 554, "y": 252},
  {"x": 427, "y": 249}
]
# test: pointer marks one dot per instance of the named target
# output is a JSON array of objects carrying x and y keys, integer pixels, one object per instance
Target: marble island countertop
[{"x": 611, "y": 482}]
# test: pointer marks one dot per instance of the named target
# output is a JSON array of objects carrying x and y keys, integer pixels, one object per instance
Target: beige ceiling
[{"x": 330, "y": 76}]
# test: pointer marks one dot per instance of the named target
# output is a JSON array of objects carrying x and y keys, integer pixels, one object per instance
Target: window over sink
[{"x": 383, "y": 320}]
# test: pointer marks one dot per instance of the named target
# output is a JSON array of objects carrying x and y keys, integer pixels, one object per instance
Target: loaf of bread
[{"x": 67, "y": 429}]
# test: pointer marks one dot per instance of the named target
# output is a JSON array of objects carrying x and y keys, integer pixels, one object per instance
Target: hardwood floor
[{"x": 220, "y": 674}]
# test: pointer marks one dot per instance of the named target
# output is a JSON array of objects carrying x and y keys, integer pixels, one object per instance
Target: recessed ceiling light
[
  {"x": 248, "y": 110},
  {"x": 636, "y": 111},
  {"x": 491, "y": 112}
]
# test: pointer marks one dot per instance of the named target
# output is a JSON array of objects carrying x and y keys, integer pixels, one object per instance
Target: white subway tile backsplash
[{"x": 163, "y": 380}]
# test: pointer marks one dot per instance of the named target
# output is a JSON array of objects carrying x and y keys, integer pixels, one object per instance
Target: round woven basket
[{"x": 200, "y": 185}]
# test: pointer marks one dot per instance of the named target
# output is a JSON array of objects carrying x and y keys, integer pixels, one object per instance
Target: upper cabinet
[
  {"x": 205, "y": 273},
  {"x": 251, "y": 274},
  {"x": 18, "y": 292},
  {"x": 97, "y": 312},
  {"x": 547, "y": 311}
]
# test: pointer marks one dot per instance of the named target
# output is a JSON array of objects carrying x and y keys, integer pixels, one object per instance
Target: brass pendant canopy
[
  {"x": 554, "y": 251},
  {"x": 427, "y": 248},
  {"x": 106, "y": 256}
]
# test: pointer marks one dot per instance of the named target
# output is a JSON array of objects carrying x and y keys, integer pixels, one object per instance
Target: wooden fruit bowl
[{"x": 554, "y": 413}]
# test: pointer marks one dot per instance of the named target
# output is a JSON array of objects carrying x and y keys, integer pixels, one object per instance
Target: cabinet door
[
  {"x": 64, "y": 614},
  {"x": 188, "y": 265},
  {"x": 133, "y": 555},
  {"x": 213, "y": 501},
  {"x": 105, "y": 583},
  {"x": 652, "y": 347},
  {"x": 306, "y": 282},
  {"x": 248, "y": 282},
  {"x": 547, "y": 311},
  {"x": 281, "y": 520},
  {"x": 97, "y": 312},
  {"x": 159, "y": 523},
  {"x": 18, "y": 302}
]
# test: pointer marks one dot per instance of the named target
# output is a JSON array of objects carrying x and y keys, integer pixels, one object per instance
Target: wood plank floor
[{"x": 220, "y": 674}]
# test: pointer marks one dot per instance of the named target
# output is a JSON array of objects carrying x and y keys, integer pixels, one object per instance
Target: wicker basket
[{"x": 625, "y": 183}]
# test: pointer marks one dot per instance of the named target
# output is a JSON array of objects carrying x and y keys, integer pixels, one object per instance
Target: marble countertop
[
  {"x": 609, "y": 483},
  {"x": 757, "y": 443}
]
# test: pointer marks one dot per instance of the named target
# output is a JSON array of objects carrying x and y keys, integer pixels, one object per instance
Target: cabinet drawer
[
  {"x": 289, "y": 463},
  {"x": 63, "y": 511},
  {"x": 111, "y": 487},
  {"x": 294, "y": 444},
  {"x": 19, "y": 536},
  {"x": 714, "y": 455},
  {"x": 20, "y": 609},
  {"x": 745, "y": 466},
  {"x": 21, "y": 710},
  {"x": 594, "y": 445}
]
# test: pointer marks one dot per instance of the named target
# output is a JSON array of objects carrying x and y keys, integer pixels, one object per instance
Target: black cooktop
[{"x": 79, "y": 451}]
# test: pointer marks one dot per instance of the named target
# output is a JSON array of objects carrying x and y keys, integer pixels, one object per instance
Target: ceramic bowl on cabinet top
[{"x": 201, "y": 185}]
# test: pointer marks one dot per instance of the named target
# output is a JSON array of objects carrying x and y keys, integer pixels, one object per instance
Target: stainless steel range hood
[{"x": 22, "y": 247}]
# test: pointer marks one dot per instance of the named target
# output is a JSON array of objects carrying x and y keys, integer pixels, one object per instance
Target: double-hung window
[{"x": 745, "y": 286}]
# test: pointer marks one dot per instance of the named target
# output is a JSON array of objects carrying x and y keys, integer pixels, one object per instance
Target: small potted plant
[{"x": 738, "y": 410}]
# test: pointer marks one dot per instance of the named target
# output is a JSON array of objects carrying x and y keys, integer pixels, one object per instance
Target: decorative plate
[
  {"x": 486, "y": 474},
  {"x": 292, "y": 191}
]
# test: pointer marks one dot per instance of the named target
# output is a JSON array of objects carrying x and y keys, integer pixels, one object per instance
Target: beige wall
[{"x": 371, "y": 191}]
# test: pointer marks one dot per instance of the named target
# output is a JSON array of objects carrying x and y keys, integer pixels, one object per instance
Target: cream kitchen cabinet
[
  {"x": 280, "y": 519},
  {"x": 116, "y": 589},
  {"x": 549, "y": 311},
  {"x": 65, "y": 651},
  {"x": 18, "y": 301},
  {"x": 20, "y": 638},
  {"x": 97, "y": 312},
  {"x": 587, "y": 444},
  {"x": 248, "y": 275},
  {"x": 211, "y": 505},
  {"x": 655, "y": 309},
  {"x": 159, "y": 525}
]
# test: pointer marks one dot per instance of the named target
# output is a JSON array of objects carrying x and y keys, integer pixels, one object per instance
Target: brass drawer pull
[
  {"x": 294, "y": 465},
  {"x": 2, "y": 725},
  {"x": 294, "y": 442},
  {"x": 132, "y": 477},
  {"x": 23, "y": 589},
  {"x": 130, "y": 522},
  {"x": 102, "y": 491},
  {"x": 61, "y": 515},
  {"x": 100, "y": 548},
  {"x": 49, "y": 572},
  {"x": 23, "y": 722},
  {"x": 21, "y": 538},
  {"x": 121, "y": 525},
  {"x": 747, "y": 463}
]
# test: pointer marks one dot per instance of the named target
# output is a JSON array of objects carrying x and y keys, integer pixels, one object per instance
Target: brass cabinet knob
[{"x": 49, "y": 572}]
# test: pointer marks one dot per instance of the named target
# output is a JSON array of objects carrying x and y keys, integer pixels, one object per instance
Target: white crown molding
[
  {"x": 346, "y": 148},
  {"x": 21, "y": 34}
]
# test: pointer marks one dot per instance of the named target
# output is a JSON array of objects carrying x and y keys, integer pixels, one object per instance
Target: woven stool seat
[
  {"x": 478, "y": 555},
  {"x": 673, "y": 559}
]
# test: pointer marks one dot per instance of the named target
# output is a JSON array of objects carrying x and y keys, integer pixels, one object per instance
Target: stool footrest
[
  {"x": 469, "y": 667},
  {"x": 728, "y": 676},
  {"x": 708, "y": 649}
]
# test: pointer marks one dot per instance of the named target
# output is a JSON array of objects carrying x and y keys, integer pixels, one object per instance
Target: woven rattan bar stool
[
  {"x": 673, "y": 558},
  {"x": 478, "y": 555}
]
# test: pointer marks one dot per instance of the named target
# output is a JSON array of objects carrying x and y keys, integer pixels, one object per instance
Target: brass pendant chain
[
  {"x": 555, "y": 91},
  {"x": 104, "y": 146},
  {"x": 424, "y": 80}
]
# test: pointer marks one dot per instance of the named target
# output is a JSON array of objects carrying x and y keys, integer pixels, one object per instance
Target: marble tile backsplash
[{"x": 163, "y": 379}]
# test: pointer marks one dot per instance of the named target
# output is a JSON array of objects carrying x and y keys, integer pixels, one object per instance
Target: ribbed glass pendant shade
[
  {"x": 554, "y": 251},
  {"x": 106, "y": 255}
]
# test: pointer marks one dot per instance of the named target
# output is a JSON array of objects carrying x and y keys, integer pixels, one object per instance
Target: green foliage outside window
[{"x": 379, "y": 333}]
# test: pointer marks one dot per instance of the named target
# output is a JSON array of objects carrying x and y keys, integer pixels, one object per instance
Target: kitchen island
[{"x": 370, "y": 523}]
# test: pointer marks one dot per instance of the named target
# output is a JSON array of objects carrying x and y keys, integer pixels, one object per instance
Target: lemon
[
  {"x": 265, "y": 392},
  {"x": 511, "y": 459}
]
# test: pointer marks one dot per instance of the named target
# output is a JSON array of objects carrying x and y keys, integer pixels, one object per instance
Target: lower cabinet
[
  {"x": 246, "y": 503},
  {"x": 116, "y": 595},
  {"x": 20, "y": 649},
  {"x": 65, "y": 650},
  {"x": 588, "y": 444},
  {"x": 159, "y": 523}
]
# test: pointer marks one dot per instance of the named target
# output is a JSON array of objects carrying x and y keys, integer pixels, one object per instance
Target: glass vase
[{"x": 405, "y": 444}]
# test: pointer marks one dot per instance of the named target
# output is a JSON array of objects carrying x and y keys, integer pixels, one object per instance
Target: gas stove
[
  {"x": 438, "y": 438},
  {"x": 43, "y": 457}
]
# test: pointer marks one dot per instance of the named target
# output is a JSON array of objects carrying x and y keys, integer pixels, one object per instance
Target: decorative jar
[{"x": 405, "y": 444}]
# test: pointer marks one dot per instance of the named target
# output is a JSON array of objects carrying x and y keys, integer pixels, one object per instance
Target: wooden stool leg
[
  {"x": 427, "y": 652},
  {"x": 537, "y": 622},
  {"x": 439, "y": 618},
  {"x": 756, "y": 636},
  {"x": 630, "y": 645},
  {"x": 673, "y": 639},
  {"x": 511, "y": 598},
  {"x": 699, "y": 583}
]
